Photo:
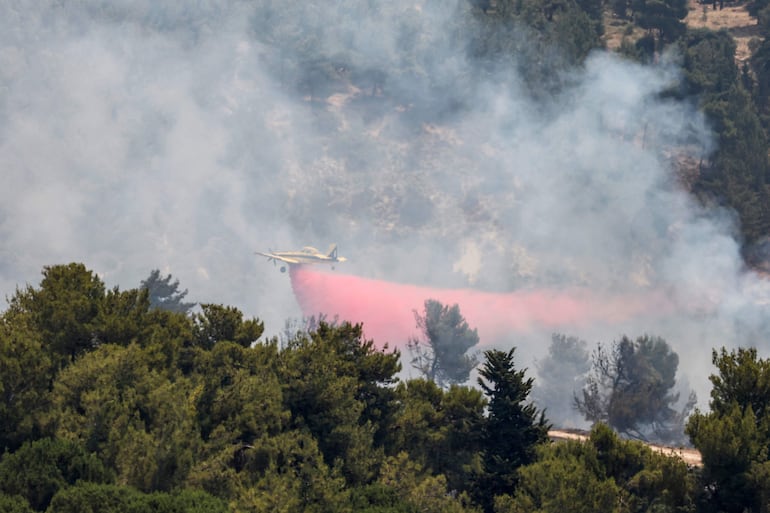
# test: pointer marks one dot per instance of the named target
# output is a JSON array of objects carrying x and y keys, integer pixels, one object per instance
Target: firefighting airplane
[{"x": 308, "y": 255}]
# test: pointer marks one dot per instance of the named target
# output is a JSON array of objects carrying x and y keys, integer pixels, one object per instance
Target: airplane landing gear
[{"x": 283, "y": 268}]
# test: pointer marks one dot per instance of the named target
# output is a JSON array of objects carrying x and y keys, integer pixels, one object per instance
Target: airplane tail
[{"x": 332, "y": 252}]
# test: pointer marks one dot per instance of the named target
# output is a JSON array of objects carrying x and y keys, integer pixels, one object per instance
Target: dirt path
[{"x": 689, "y": 456}]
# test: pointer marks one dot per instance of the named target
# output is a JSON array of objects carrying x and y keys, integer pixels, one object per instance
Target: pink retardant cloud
[{"x": 386, "y": 309}]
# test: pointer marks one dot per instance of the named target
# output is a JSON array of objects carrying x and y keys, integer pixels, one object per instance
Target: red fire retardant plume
[{"x": 387, "y": 309}]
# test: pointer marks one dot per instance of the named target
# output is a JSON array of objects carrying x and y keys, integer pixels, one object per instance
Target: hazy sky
[{"x": 185, "y": 135}]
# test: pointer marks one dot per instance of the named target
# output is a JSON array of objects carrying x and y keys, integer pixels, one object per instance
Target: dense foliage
[
  {"x": 109, "y": 404},
  {"x": 734, "y": 436},
  {"x": 603, "y": 474}
]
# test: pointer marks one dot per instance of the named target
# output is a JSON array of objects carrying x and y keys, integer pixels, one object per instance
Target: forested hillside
[{"x": 727, "y": 85}]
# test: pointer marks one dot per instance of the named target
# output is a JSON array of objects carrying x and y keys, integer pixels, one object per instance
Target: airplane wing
[
  {"x": 288, "y": 260},
  {"x": 272, "y": 256}
]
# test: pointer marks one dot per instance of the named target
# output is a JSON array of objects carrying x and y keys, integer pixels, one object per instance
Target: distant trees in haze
[
  {"x": 737, "y": 174},
  {"x": 540, "y": 39},
  {"x": 631, "y": 387},
  {"x": 560, "y": 375},
  {"x": 442, "y": 354},
  {"x": 164, "y": 293}
]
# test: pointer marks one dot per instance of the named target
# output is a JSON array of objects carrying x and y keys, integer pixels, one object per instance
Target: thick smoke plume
[{"x": 185, "y": 135}]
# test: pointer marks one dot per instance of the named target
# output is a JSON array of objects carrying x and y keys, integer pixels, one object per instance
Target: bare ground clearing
[{"x": 733, "y": 17}]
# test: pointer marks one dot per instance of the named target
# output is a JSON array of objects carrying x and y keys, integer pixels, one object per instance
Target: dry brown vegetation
[
  {"x": 616, "y": 29},
  {"x": 733, "y": 17}
]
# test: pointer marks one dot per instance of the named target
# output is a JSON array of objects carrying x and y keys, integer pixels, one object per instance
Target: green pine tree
[{"x": 513, "y": 428}]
